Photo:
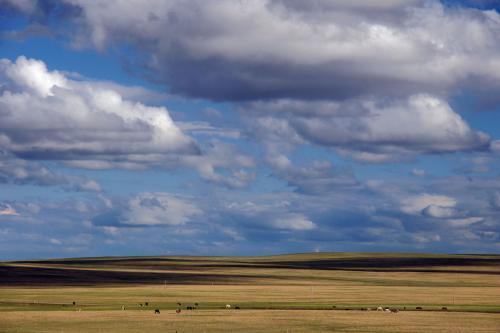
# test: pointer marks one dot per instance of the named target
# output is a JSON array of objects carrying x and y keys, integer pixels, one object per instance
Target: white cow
[{"x": 228, "y": 306}]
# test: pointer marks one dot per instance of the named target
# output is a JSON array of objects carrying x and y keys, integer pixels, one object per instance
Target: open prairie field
[{"x": 325, "y": 292}]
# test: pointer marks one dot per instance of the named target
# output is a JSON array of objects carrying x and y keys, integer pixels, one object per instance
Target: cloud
[
  {"x": 46, "y": 115},
  {"x": 464, "y": 222},
  {"x": 265, "y": 215},
  {"x": 14, "y": 170},
  {"x": 242, "y": 50},
  {"x": 211, "y": 113},
  {"x": 318, "y": 178},
  {"x": 293, "y": 222},
  {"x": 418, "y": 172},
  {"x": 437, "y": 204},
  {"x": 218, "y": 156},
  {"x": 6, "y": 209},
  {"x": 333, "y": 84},
  {"x": 370, "y": 130},
  {"x": 425, "y": 238},
  {"x": 444, "y": 208},
  {"x": 150, "y": 209},
  {"x": 495, "y": 201},
  {"x": 421, "y": 124},
  {"x": 495, "y": 146},
  {"x": 439, "y": 211},
  {"x": 55, "y": 241},
  {"x": 25, "y": 6},
  {"x": 159, "y": 208},
  {"x": 207, "y": 129},
  {"x": 275, "y": 132}
]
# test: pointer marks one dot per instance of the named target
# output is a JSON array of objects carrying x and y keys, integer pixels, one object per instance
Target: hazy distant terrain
[{"x": 322, "y": 292}]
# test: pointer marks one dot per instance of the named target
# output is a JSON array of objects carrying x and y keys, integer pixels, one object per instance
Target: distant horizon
[{"x": 263, "y": 256}]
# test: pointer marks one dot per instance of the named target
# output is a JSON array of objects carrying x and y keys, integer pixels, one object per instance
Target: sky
[{"x": 250, "y": 127}]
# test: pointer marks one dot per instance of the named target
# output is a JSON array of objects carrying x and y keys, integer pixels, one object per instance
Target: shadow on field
[
  {"x": 43, "y": 276},
  {"x": 469, "y": 264},
  {"x": 399, "y": 264},
  {"x": 357, "y": 262},
  {"x": 96, "y": 271}
]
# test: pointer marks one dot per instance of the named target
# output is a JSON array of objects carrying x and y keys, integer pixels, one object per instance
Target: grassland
[{"x": 326, "y": 292}]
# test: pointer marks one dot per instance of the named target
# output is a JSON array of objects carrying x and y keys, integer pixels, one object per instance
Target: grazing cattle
[
  {"x": 444, "y": 308},
  {"x": 74, "y": 303},
  {"x": 418, "y": 308},
  {"x": 228, "y": 306},
  {"x": 179, "y": 304},
  {"x": 157, "y": 311},
  {"x": 178, "y": 311},
  {"x": 189, "y": 308},
  {"x": 237, "y": 307},
  {"x": 387, "y": 310},
  {"x": 394, "y": 310},
  {"x": 146, "y": 304},
  {"x": 380, "y": 308}
]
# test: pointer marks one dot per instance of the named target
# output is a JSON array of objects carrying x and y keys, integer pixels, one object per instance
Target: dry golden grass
[
  {"x": 258, "y": 296},
  {"x": 248, "y": 321}
]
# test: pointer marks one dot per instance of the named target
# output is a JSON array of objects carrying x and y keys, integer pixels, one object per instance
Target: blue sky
[{"x": 242, "y": 128}]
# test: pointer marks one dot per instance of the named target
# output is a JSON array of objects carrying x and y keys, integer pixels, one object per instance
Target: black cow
[{"x": 157, "y": 311}]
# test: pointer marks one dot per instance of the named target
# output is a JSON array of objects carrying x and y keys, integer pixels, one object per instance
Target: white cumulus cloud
[
  {"x": 239, "y": 50},
  {"x": 370, "y": 130},
  {"x": 46, "y": 115},
  {"x": 441, "y": 204},
  {"x": 159, "y": 208},
  {"x": 293, "y": 222},
  {"x": 7, "y": 210}
]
